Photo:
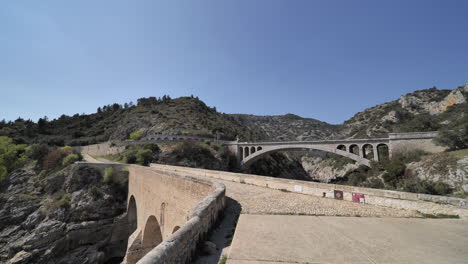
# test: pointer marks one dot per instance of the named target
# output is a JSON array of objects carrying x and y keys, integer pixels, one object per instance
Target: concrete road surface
[{"x": 262, "y": 239}]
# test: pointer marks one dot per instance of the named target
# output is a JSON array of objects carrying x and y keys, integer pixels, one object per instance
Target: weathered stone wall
[
  {"x": 429, "y": 204},
  {"x": 403, "y": 142},
  {"x": 102, "y": 149}
]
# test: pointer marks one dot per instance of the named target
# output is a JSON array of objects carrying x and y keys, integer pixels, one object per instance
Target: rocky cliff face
[
  {"x": 324, "y": 169},
  {"x": 406, "y": 114},
  {"x": 444, "y": 167},
  {"x": 67, "y": 217},
  {"x": 433, "y": 101}
]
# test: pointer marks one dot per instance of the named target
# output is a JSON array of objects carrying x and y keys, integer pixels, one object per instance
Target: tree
[
  {"x": 116, "y": 107},
  {"x": 99, "y": 110},
  {"x": 42, "y": 124}
]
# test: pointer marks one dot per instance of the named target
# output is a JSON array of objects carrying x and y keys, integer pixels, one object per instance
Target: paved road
[{"x": 262, "y": 239}]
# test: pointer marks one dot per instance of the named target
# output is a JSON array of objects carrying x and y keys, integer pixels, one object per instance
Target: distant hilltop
[{"x": 423, "y": 110}]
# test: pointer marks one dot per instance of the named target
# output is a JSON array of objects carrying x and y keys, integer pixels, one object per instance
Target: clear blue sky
[{"x": 320, "y": 59}]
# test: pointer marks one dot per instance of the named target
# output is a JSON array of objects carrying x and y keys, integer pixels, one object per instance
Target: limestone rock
[
  {"x": 33, "y": 219},
  {"x": 391, "y": 117},
  {"x": 20, "y": 257},
  {"x": 455, "y": 97},
  {"x": 325, "y": 170}
]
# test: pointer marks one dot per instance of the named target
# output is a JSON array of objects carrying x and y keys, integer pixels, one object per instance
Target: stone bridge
[
  {"x": 168, "y": 213},
  {"x": 360, "y": 150}
]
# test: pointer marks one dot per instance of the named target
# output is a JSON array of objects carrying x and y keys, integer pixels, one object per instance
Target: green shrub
[
  {"x": 95, "y": 193},
  {"x": 37, "y": 151},
  {"x": 375, "y": 183},
  {"x": 108, "y": 175},
  {"x": 410, "y": 155},
  {"x": 54, "y": 158},
  {"x": 3, "y": 173},
  {"x": 136, "y": 135},
  {"x": 70, "y": 159},
  {"x": 144, "y": 157},
  {"x": 356, "y": 178},
  {"x": 64, "y": 202},
  {"x": 413, "y": 185},
  {"x": 130, "y": 156},
  {"x": 416, "y": 185},
  {"x": 12, "y": 156},
  {"x": 394, "y": 171}
]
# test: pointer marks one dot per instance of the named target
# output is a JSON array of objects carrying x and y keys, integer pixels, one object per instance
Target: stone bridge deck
[{"x": 282, "y": 227}]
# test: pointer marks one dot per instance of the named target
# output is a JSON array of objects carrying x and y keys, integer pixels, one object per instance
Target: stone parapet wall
[
  {"x": 429, "y": 204},
  {"x": 412, "y": 135}
]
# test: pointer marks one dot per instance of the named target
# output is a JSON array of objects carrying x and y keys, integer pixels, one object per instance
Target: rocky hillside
[
  {"x": 288, "y": 127},
  {"x": 424, "y": 110},
  {"x": 62, "y": 217}
]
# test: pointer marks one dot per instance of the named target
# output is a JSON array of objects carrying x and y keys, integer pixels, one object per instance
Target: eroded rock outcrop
[
  {"x": 325, "y": 170},
  {"x": 66, "y": 217}
]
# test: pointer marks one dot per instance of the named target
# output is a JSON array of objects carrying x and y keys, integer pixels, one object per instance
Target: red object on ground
[{"x": 358, "y": 198}]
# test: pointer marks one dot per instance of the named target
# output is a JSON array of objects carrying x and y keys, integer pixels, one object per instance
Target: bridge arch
[
  {"x": 368, "y": 151},
  {"x": 259, "y": 148},
  {"x": 252, "y": 150},
  {"x": 247, "y": 161},
  {"x": 247, "y": 151},
  {"x": 152, "y": 235},
  {"x": 341, "y": 147},
  {"x": 132, "y": 215},
  {"x": 354, "y": 149},
  {"x": 383, "y": 151}
]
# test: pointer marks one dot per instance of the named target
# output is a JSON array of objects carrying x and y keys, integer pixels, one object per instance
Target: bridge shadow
[{"x": 221, "y": 234}]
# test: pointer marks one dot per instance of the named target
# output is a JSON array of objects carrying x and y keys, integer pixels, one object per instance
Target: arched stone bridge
[{"x": 360, "y": 150}]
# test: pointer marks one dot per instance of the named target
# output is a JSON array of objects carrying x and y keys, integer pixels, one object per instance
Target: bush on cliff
[
  {"x": 139, "y": 154},
  {"x": 11, "y": 156},
  {"x": 60, "y": 158},
  {"x": 136, "y": 135},
  {"x": 416, "y": 185},
  {"x": 70, "y": 159},
  {"x": 191, "y": 154},
  {"x": 455, "y": 134}
]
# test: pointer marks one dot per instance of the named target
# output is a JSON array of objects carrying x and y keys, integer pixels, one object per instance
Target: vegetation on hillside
[
  {"x": 187, "y": 153},
  {"x": 150, "y": 116},
  {"x": 47, "y": 159},
  {"x": 393, "y": 175},
  {"x": 11, "y": 156},
  {"x": 394, "y": 116}
]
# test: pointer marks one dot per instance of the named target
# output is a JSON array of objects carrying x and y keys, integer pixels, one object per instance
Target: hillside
[
  {"x": 287, "y": 127},
  {"x": 151, "y": 116},
  {"x": 423, "y": 110}
]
